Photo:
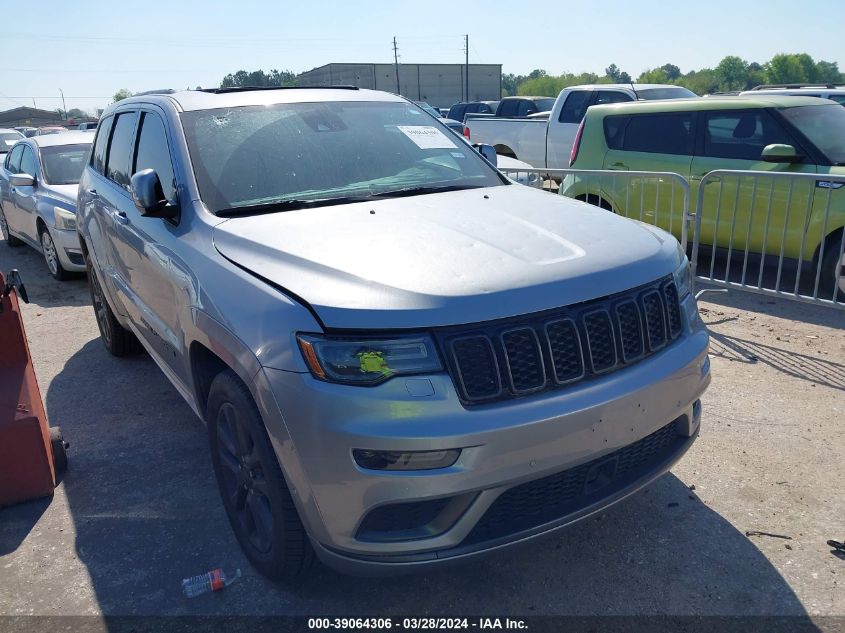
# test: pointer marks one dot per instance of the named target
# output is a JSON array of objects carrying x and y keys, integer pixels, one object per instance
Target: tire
[
  {"x": 51, "y": 256},
  {"x": 57, "y": 443},
  {"x": 252, "y": 486},
  {"x": 831, "y": 262},
  {"x": 118, "y": 340},
  {"x": 11, "y": 240}
]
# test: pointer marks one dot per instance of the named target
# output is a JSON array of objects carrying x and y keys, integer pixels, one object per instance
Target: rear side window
[
  {"x": 456, "y": 112},
  {"x": 741, "y": 134},
  {"x": 98, "y": 156},
  {"x": 483, "y": 108},
  {"x": 153, "y": 153},
  {"x": 117, "y": 162},
  {"x": 13, "y": 162},
  {"x": 659, "y": 133},
  {"x": 29, "y": 164},
  {"x": 575, "y": 107},
  {"x": 611, "y": 96},
  {"x": 509, "y": 107},
  {"x": 614, "y": 130},
  {"x": 840, "y": 99}
]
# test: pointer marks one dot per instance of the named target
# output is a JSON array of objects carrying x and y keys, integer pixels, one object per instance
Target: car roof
[
  {"x": 190, "y": 100},
  {"x": 628, "y": 86},
  {"x": 794, "y": 91},
  {"x": 8, "y": 129},
  {"x": 62, "y": 138},
  {"x": 709, "y": 103}
]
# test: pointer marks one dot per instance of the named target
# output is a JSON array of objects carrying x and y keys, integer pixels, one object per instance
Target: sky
[{"x": 90, "y": 50}]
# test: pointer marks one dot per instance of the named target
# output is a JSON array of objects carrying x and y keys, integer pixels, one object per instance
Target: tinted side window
[
  {"x": 659, "y": 133},
  {"x": 741, "y": 134},
  {"x": 484, "y": 109},
  {"x": 152, "y": 153},
  {"x": 525, "y": 108},
  {"x": 614, "y": 130},
  {"x": 509, "y": 107},
  {"x": 611, "y": 96},
  {"x": 120, "y": 146},
  {"x": 98, "y": 156},
  {"x": 575, "y": 107},
  {"x": 13, "y": 163},
  {"x": 457, "y": 112},
  {"x": 29, "y": 163}
]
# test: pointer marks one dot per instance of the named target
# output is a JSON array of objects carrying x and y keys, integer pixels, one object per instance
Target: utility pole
[
  {"x": 64, "y": 107},
  {"x": 396, "y": 64},
  {"x": 466, "y": 64}
]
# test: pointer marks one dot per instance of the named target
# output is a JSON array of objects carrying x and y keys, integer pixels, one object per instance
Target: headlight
[
  {"x": 64, "y": 219},
  {"x": 364, "y": 361},
  {"x": 683, "y": 279}
]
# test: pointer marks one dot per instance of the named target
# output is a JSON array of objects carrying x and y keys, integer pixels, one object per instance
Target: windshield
[
  {"x": 7, "y": 139},
  {"x": 544, "y": 105},
  {"x": 63, "y": 164},
  {"x": 824, "y": 126},
  {"x": 256, "y": 155},
  {"x": 650, "y": 94}
]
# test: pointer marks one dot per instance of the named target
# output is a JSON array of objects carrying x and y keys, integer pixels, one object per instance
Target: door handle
[
  {"x": 121, "y": 217},
  {"x": 92, "y": 192},
  {"x": 619, "y": 166}
]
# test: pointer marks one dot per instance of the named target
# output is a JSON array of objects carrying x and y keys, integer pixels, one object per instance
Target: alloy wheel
[
  {"x": 50, "y": 254},
  {"x": 244, "y": 484},
  {"x": 99, "y": 306}
]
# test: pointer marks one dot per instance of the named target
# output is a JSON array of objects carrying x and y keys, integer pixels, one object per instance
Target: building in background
[
  {"x": 440, "y": 85},
  {"x": 29, "y": 117}
]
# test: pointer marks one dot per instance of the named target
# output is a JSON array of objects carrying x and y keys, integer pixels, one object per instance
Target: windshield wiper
[
  {"x": 279, "y": 206},
  {"x": 421, "y": 190}
]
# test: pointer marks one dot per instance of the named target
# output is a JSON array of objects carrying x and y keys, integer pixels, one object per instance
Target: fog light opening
[{"x": 405, "y": 460}]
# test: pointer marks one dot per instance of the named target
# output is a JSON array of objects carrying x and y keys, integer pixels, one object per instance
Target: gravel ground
[{"x": 138, "y": 509}]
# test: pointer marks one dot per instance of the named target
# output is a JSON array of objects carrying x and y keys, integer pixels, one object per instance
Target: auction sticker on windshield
[{"x": 427, "y": 136}]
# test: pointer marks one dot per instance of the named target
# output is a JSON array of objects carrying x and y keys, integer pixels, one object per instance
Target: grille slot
[
  {"x": 477, "y": 367},
  {"x": 515, "y": 357},
  {"x": 630, "y": 330},
  {"x": 524, "y": 360},
  {"x": 601, "y": 342},
  {"x": 673, "y": 308},
  {"x": 565, "y": 350},
  {"x": 655, "y": 320}
]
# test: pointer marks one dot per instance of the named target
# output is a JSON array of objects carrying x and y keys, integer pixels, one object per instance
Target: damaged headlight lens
[{"x": 364, "y": 361}]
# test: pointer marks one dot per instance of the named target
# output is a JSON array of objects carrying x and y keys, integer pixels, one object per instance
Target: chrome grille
[{"x": 538, "y": 352}]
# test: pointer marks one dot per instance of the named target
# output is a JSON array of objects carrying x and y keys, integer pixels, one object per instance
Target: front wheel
[
  {"x": 51, "y": 256},
  {"x": 252, "y": 486},
  {"x": 833, "y": 265},
  {"x": 118, "y": 340}
]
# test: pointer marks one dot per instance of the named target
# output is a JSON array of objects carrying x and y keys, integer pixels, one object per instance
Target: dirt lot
[{"x": 138, "y": 510}]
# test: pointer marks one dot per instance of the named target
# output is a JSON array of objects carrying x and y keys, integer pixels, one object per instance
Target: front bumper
[
  {"x": 68, "y": 249},
  {"x": 503, "y": 446}
]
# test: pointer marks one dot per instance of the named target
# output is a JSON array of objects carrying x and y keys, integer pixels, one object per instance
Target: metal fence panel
[{"x": 774, "y": 233}]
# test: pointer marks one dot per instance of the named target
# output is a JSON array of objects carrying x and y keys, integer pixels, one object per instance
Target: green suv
[{"x": 799, "y": 219}]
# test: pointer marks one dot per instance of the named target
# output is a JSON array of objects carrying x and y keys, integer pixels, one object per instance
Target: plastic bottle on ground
[{"x": 215, "y": 580}]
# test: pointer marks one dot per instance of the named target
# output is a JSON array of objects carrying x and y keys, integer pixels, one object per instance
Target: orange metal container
[{"x": 26, "y": 456}]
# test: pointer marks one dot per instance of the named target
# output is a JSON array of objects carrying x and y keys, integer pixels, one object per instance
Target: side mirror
[
  {"x": 149, "y": 196},
  {"x": 21, "y": 180},
  {"x": 777, "y": 153},
  {"x": 487, "y": 151}
]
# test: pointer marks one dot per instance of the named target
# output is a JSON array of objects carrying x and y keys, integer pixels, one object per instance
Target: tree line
[{"x": 731, "y": 74}]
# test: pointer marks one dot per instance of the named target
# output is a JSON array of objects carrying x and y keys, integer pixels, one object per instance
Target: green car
[{"x": 796, "y": 218}]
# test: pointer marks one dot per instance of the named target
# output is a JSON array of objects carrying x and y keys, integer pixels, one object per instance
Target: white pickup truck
[{"x": 548, "y": 143}]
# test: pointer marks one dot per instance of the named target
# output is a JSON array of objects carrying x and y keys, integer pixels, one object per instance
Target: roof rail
[
  {"x": 218, "y": 91},
  {"x": 162, "y": 91},
  {"x": 796, "y": 86}
]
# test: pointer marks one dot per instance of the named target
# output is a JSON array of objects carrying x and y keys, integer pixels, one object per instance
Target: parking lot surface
[{"x": 138, "y": 509}]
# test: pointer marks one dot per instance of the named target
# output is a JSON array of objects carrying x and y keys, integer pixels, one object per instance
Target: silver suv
[{"x": 402, "y": 357}]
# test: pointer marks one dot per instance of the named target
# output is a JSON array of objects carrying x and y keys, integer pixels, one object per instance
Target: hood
[
  {"x": 447, "y": 258},
  {"x": 64, "y": 193}
]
